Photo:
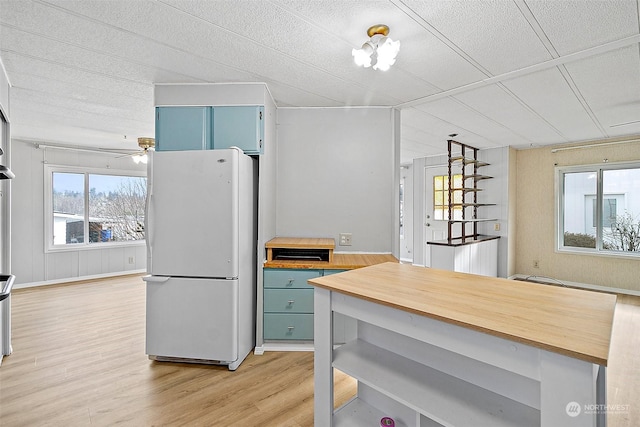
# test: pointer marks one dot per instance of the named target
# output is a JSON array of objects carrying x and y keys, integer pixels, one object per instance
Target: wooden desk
[{"x": 462, "y": 349}]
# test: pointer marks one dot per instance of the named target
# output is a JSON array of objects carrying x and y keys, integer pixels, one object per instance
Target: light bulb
[
  {"x": 387, "y": 51},
  {"x": 140, "y": 158},
  {"x": 362, "y": 57}
]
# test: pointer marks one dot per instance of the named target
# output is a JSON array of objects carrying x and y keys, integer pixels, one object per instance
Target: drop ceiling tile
[
  {"x": 288, "y": 96},
  {"x": 67, "y": 109},
  {"x": 92, "y": 61},
  {"x": 500, "y": 107},
  {"x": 575, "y": 25},
  {"x": 16, "y": 64},
  {"x": 548, "y": 93},
  {"x": 610, "y": 83},
  {"x": 438, "y": 129},
  {"x": 468, "y": 120},
  {"x": 119, "y": 105},
  {"x": 494, "y": 33}
]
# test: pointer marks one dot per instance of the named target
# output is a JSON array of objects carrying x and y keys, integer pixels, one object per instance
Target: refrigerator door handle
[
  {"x": 156, "y": 279},
  {"x": 148, "y": 232},
  {"x": 147, "y": 213}
]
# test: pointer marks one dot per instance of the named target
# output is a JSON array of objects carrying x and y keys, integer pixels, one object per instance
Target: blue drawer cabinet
[
  {"x": 288, "y": 304},
  {"x": 206, "y": 128},
  {"x": 183, "y": 128}
]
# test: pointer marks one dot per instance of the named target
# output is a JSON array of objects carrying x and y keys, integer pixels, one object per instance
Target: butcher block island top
[
  {"x": 572, "y": 322},
  {"x": 299, "y": 252}
]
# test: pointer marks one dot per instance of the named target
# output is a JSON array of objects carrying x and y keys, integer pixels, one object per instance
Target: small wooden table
[{"x": 462, "y": 349}]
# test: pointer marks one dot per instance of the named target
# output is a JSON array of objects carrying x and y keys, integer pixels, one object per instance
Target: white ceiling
[{"x": 496, "y": 72}]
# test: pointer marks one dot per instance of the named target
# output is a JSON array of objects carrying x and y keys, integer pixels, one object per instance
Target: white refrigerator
[{"x": 201, "y": 225}]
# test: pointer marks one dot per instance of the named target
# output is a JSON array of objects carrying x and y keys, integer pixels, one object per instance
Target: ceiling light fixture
[
  {"x": 145, "y": 144},
  {"x": 379, "y": 51}
]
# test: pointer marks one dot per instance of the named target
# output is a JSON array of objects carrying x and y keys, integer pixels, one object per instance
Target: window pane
[
  {"x": 579, "y": 191},
  {"x": 68, "y": 208},
  {"x": 621, "y": 210},
  {"x": 438, "y": 182},
  {"x": 116, "y": 208},
  {"x": 438, "y": 199}
]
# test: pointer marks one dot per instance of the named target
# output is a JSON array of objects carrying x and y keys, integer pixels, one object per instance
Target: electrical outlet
[
  {"x": 131, "y": 260},
  {"x": 496, "y": 226},
  {"x": 345, "y": 239},
  {"x": 536, "y": 264}
]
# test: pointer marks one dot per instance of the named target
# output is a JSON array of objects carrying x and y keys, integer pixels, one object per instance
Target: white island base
[{"x": 422, "y": 371}]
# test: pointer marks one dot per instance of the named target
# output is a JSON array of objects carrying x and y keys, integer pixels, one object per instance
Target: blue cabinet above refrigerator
[{"x": 205, "y": 128}]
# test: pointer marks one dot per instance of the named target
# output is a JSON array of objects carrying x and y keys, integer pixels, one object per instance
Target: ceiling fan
[
  {"x": 145, "y": 143},
  {"x": 138, "y": 156}
]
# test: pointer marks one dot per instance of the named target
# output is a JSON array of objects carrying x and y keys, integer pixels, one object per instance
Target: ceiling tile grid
[
  {"x": 493, "y": 33},
  {"x": 497, "y": 72}
]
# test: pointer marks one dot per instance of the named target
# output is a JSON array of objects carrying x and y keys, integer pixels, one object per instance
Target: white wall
[
  {"x": 338, "y": 172},
  {"x": 31, "y": 264}
]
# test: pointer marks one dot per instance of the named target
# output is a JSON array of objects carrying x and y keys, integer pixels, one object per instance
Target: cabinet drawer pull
[
  {"x": 289, "y": 281},
  {"x": 290, "y": 302},
  {"x": 291, "y": 328}
]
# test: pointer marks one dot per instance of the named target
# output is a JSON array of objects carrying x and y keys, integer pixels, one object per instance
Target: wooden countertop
[
  {"x": 340, "y": 262},
  {"x": 301, "y": 242},
  {"x": 573, "y": 322}
]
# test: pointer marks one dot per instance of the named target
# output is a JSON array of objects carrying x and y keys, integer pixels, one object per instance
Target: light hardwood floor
[{"x": 79, "y": 360}]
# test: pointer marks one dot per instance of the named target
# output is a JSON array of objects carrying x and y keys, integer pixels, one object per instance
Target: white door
[
  {"x": 192, "y": 318},
  {"x": 193, "y": 213},
  {"x": 434, "y": 229}
]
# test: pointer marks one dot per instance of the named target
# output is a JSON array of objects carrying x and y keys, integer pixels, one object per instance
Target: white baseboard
[
  {"x": 587, "y": 286},
  {"x": 283, "y": 346},
  {"x": 77, "y": 279}
]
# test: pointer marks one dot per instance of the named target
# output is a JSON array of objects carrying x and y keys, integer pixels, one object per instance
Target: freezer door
[
  {"x": 192, "y": 318},
  {"x": 193, "y": 213}
]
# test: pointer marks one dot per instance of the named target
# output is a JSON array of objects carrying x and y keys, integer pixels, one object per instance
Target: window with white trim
[
  {"x": 599, "y": 209},
  {"x": 91, "y": 207}
]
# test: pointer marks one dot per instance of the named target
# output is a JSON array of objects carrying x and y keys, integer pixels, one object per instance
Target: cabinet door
[
  {"x": 239, "y": 126},
  {"x": 183, "y": 128}
]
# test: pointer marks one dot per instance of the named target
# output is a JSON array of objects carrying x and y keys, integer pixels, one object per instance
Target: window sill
[{"x": 93, "y": 246}]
